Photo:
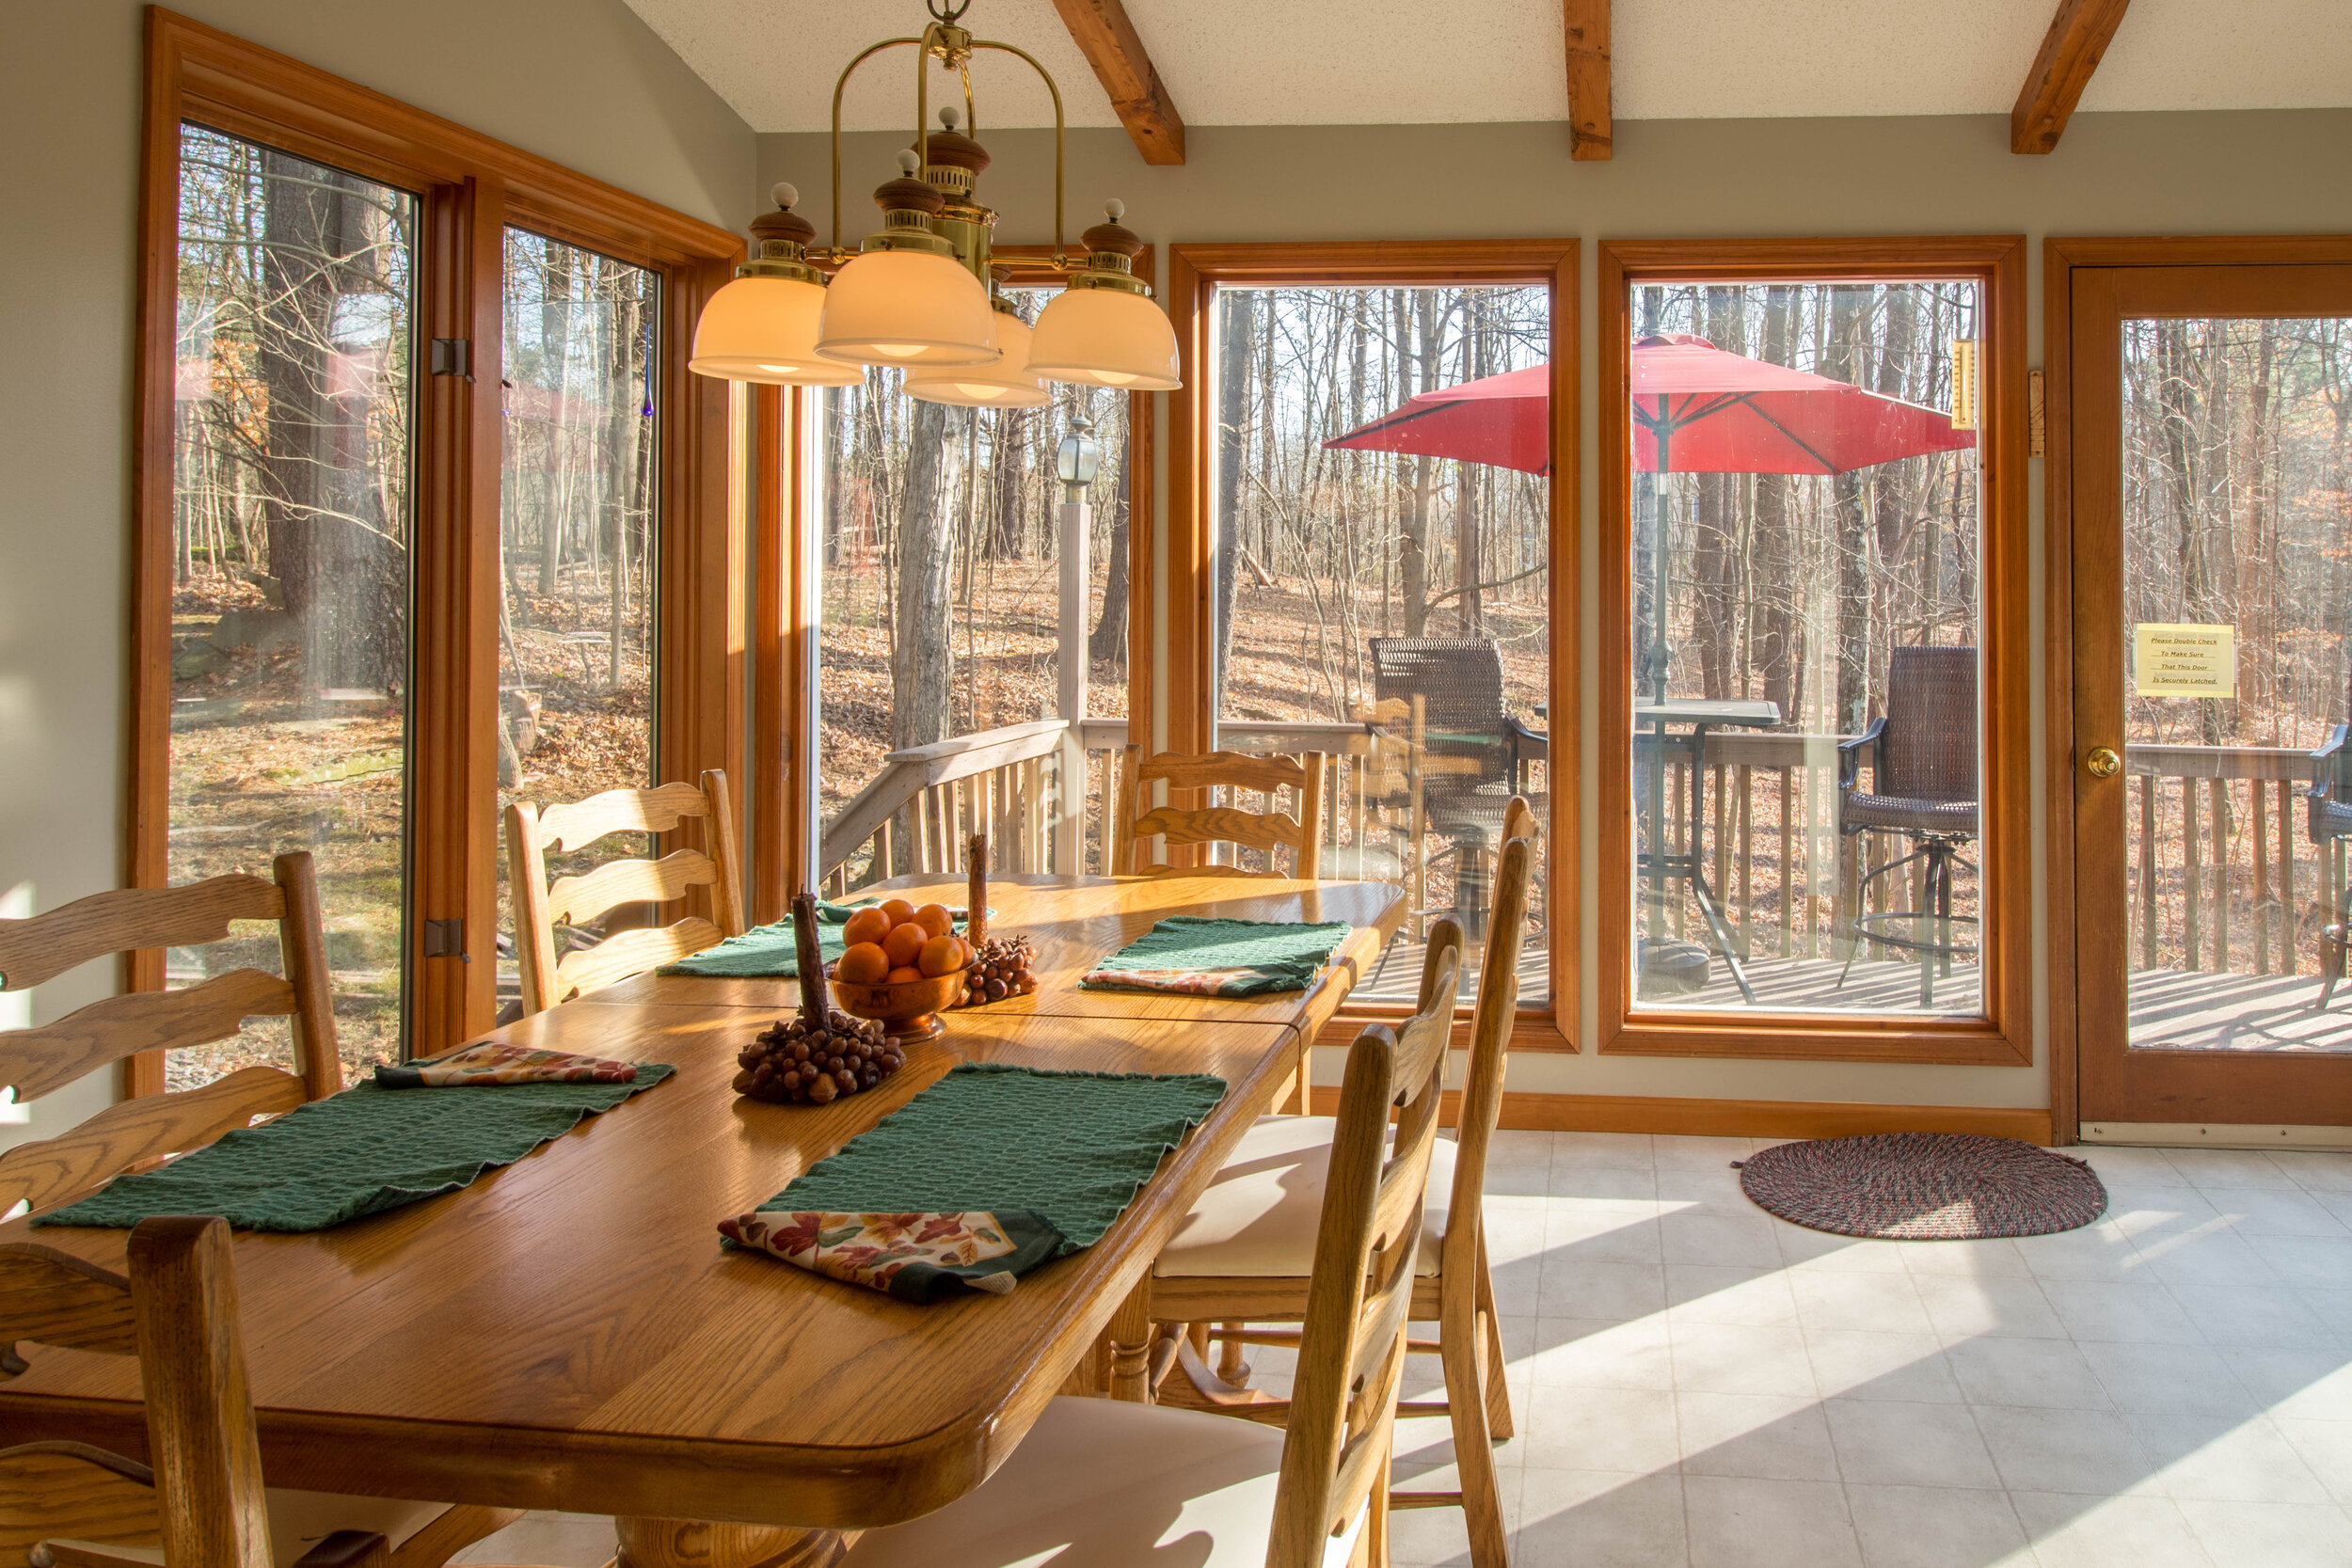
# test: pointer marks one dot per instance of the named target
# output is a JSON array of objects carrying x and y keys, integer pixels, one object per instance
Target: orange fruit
[
  {"x": 904, "y": 942},
  {"x": 899, "y": 909},
  {"x": 862, "y": 963},
  {"x": 867, "y": 926},
  {"x": 904, "y": 972},
  {"x": 939, "y": 954},
  {"x": 935, "y": 919}
]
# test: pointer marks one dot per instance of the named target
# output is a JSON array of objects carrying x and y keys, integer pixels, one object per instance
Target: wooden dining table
[{"x": 566, "y": 1332}]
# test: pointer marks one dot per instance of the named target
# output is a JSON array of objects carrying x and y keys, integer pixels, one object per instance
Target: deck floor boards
[{"x": 2168, "y": 1008}]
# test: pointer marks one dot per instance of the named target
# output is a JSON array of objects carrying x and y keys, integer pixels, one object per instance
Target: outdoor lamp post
[{"x": 1080, "y": 457}]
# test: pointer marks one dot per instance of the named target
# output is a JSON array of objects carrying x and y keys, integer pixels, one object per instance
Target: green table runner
[
  {"x": 359, "y": 1152},
  {"x": 766, "y": 952},
  {"x": 1072, "y": 1148},
  {"x": 1221, "y": 958}
]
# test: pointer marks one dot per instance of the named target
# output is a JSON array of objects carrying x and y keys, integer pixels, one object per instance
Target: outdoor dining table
[
  {"x": 566, "y": 1333},
  {"x": 1660, "y": 861}
]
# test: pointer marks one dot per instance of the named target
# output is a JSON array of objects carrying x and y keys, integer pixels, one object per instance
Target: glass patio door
[{"x": 2212, "y": 412}]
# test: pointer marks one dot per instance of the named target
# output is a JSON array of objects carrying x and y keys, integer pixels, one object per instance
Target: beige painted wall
[
  {"x": 582, "y": 81},
  {"x": 2274, "y": 172}
]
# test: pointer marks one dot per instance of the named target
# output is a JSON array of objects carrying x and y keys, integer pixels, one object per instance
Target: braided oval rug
[{"x": 1924, "y": 1186}]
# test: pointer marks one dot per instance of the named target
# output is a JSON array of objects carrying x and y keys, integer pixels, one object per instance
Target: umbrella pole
[{"x": 1657, "y": 656}]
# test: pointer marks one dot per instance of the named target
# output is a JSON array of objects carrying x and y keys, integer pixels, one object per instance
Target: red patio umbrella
[{"x": 1714, "y": 412}]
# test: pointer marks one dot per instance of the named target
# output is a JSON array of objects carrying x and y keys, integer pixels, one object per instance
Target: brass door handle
[{"x": 2103, "y": 763}]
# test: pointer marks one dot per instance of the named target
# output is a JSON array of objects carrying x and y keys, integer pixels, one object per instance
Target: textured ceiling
[{"x": 1295, "y": 62}]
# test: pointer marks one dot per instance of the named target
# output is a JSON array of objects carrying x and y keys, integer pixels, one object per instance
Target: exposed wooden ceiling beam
[
  {"x": 1588, "y": 78},
  {"x": 2078, "y": 36},
  {"x": 1109, "y": 43}
]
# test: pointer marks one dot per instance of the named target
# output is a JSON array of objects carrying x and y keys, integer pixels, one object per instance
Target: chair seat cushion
[
  {"x": 1101, "y": 1483},
  {"x": 1257, "y": 1218},
  {"x": 1901, "y": 814},
  {"x": 2334, "y": 817},
  {"x": 300, "y": 1520}
]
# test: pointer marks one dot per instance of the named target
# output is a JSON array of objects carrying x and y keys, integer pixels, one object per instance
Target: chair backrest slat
[
  {"x": 573, "y": 899},
  {"x": 581, "y": 823},
  {"x": 40, "y": 1060},
  {"x": 58, "y": 1170},
  {"x": 531, "y": 833},
  {"x": 122, "y": 920},
  {"x": 72, "y": 1492},
  {"x": 1351, "y": 1354},
  {"x": 1270, "y": 830}
]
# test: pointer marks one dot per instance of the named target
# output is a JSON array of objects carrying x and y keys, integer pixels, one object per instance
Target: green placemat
[
  {"x": 1221, "y": 958},
  {"x": 766, "y": 952},
  {"x": 1073, "y": 1148},
  {"x": 359, "y": 1152}
]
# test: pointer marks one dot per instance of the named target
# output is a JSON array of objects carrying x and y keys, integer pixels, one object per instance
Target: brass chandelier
[{"x": 921, "y": 293}]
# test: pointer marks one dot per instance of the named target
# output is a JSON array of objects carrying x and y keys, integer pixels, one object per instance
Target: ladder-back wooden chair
[
  {"x": 39, "y": 1061},
  {"x": 533, "y": 834},
  {"x": 51, "y": 1172},
  {"x": 1269, "y": 831},
  {"x": 1097, "y": 1483},
  {"x": 202, "y": 1503},
  {"x": 1239, "y": 1256}
]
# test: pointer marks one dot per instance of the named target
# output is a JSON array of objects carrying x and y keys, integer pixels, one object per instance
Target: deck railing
[{"x": 2223, "y": 876}]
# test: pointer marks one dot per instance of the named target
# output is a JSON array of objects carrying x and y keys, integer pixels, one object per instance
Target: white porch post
[{"x": 1074, "y": 521}]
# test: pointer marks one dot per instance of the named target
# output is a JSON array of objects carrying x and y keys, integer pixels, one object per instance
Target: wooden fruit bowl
[{"x": 909, "y": 1009}]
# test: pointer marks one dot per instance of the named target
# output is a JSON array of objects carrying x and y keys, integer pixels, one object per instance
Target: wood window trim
[
  {"x": 1194, "y": 272},
  {"x": 2060, "y": 256},
  {"x": 2005, "y": 1037},
  {"x": 470, "y": 187},
  {"x": 782, "y": 851}
]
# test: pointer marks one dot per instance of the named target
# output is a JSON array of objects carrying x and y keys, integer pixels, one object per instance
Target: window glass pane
[
  {"x": 1805, "y": 610},
  {"x": 576, "y": 546},
  {"x": 2237, "y": 568},
  {"x": 939, "y": 571},
  {"x": 291, "y": 526},
  {"x": 1387, "y": 601}
]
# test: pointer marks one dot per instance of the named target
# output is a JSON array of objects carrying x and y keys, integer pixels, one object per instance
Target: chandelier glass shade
[
  {"x": 908, "y": 308},
  {"x": 765, "y": 329},
  {"x": 1006, "y": 384},
  {"x": 1106, "y": 337}
]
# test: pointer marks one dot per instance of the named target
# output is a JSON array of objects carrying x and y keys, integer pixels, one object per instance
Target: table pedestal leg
[
  {"x": 1131, "y": 1346},
  {"x": 696, "y": 1543}
]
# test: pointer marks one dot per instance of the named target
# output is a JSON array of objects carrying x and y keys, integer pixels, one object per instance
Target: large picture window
[
  {"x": 1373, "y": 465},
  {"x": 1812, "y": 787},
  {"x": 429, "y": 513}
]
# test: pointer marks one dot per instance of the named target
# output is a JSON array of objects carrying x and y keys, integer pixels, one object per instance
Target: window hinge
[
  {"x": 453, "y": 357},
  {"x": 446, "y": 939}
]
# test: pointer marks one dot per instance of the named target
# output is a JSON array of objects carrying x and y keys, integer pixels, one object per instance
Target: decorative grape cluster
[
  {"x": 791, "y": 1064},
  {"x": 1000, "y": 968}
]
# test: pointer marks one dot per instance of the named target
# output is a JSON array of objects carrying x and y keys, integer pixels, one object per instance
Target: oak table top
[
  {"x": 1076, "y": 922},
  {"x": 566, "y": 1332}
]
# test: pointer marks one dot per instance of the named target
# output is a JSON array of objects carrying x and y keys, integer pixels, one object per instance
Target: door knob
[{"x": 2103, "y": 763}]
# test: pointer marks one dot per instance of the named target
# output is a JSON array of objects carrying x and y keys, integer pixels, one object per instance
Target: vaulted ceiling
[{"x": 1285, "y": 62}]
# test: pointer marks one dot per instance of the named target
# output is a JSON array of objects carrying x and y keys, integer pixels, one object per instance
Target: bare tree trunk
[
  {"x": 1849, "y": 315},
  {"x": 1419, "y": 364},
  {"x": 1774, "y": 617},
  {"x": 1108, "y": 644},
  {"x": 1236, "y": 355}
]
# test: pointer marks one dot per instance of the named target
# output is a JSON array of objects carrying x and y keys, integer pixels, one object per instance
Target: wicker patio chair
[
  {"x": 1439, "y": 702},
  {"x": 1922, "y": 753},
  {"x": 2330, "y": 821}
]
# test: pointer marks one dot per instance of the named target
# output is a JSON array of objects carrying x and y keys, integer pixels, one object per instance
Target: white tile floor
[{"x": 1701, "y": 1386}]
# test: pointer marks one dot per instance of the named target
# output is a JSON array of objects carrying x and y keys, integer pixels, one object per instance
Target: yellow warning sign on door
[{"x": 2176, "y": 660}]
